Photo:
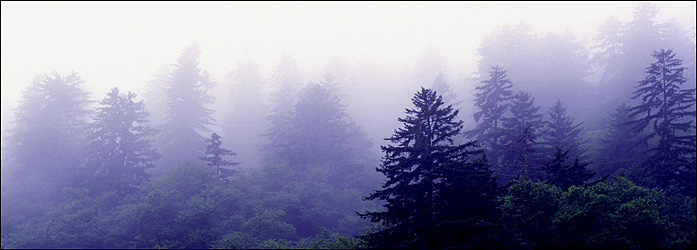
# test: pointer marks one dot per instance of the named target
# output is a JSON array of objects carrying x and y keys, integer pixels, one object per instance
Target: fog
[
  {"x": 126, "y": 44},
  {"x": 304, "y": 92}
]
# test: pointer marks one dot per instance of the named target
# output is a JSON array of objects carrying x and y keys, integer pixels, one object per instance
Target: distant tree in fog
[
  {"x": 550, "y": 66},
  {"x": 561, "y": 131},
  {"x": 493, "y": 100},
  {"x": 187, "y": 111},
  {"x": 437, "y": 194},
  {"x": 243, "y": 124},
  {"x": 214, "y": 157},
  {"x": 119, "y": 145},
  {"x": 441, "y": 85},
  {"x": 624, "y": 49},
  {"x": 45, "y": 146},
  {"x": 666, "y": 110},
  {"x": 51, "y": 122},
  {"x": 522, "y": 151},
  {"x": 619, "y": 147},
  {"x": 322, "y": 133},
  {"x": 286, "y": 80}
]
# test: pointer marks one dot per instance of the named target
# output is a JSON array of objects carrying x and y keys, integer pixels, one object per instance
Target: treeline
[
  {"x": 83, "y": 178},
  {"x": 294, "y": 169}
]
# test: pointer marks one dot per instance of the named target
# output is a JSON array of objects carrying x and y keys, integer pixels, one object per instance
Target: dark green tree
[
  {"x": 560, "y": 131},
  {"x": 666, "y": 110},
  {"x": 214, "y": 157},
  {"x": 119, "y": 149},
  {"x": 436, "y": 192},
  {"x": 187, "y": 114},
  {"x": 527, "y": 214}
]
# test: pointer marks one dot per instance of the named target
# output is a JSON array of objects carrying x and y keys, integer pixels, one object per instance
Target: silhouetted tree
[
  {"x": 187, "y": 114},
  {"x": 214, "y": 157},
  {"x": 119, "y": 149},
  {"x": 559, "y": 172},
  {"x": 432, "y": 184},
  {"x": 665, "y": 110}
]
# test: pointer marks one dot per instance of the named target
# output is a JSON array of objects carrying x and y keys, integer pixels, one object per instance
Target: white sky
[{"x": 125, "y": 43}]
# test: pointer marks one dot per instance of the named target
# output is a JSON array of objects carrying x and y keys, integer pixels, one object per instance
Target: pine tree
[
  {"x": 492, "y": 101},
  {"x": 666, "y": 110},
  {"x": 432, "y": 183},
  {"x": 187, "y": 114},
  {"x": 521, "y": 147},
  {"x": 119, "y": 151},
  {"x": 214, "y": 157},
  {"x": 562, "y": 132}
]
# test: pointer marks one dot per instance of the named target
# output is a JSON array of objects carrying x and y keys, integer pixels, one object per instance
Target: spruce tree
[
  {"x": 119, "y": 149},
  {"x": 560, "y": 131},
  {"x": 619, "y": 148},
  {"x": 187, "y": 114},
  {"x": 492, "y": 101},
  {"x": 666, "y": 111},
  {"x": 561, "y": 173},
  {"x": 435, "y": 189},
  {"x": 44, "y": 149},
  {"x": 214, "y": 157},
  {"x": 286, "y": 81},
  {"x": 521, "y": 155}
]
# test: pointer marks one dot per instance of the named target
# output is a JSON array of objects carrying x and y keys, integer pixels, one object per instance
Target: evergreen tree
[
  {"x": 620, "y": 148},
  {"x": 492, "y": 101},
  {"x": 562, "y": 132},
  {"x": 441, "y": 85},
  {"x": 286, "y": 80},
  {"x": 214, "y": 157},
  {"x": 119, "y": 151},
  {"x": 45, "y": 146},
  {"x": 521, "y": 155},
  {"x": 187, "y": 114},
  {"x": 624, "y": 49},
  {"x": 564, "y": 175},
  {"x": 436, "y": 192},
  {"x": 666, "y": 110},
  {"x": 321, "y": 134},
  {"x": 245, "y": 106}
]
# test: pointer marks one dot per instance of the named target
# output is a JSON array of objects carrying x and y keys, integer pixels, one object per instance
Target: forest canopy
[{"x": 550, "y": 143}]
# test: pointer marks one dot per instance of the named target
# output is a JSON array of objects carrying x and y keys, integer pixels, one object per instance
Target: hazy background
[{"x": 125, "y": 44}]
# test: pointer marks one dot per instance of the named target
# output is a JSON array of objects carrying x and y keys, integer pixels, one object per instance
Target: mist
[{"x": 299, "y": 125}]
